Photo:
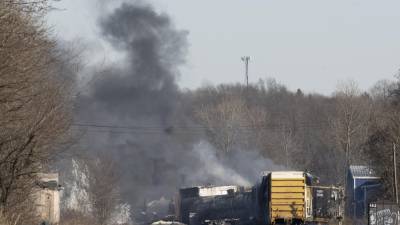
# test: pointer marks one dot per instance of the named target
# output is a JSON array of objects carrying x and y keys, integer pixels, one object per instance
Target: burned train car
[
  {"x": 215, "y": 205},
  {"x": 285, "y": 197},
  {"x": 327, "y": 203}
]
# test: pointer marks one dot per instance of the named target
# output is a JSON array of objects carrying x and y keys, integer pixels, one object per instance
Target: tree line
[{"x": 310, "y": 132}]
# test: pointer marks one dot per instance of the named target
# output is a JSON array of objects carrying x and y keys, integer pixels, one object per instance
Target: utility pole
[
  {"x": 246, "y": 60},
  {"x": 396, "y": 195}
]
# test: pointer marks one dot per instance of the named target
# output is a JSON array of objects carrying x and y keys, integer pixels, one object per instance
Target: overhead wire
[{"x": 136, "y": 129}]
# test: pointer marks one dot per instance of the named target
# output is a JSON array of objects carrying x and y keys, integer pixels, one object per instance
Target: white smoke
[
  {"x": 237, "y": 167},
  {"x": 214, "y": 168}
]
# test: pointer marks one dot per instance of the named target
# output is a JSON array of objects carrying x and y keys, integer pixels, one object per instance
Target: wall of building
[{"x": 48, "y": 198}]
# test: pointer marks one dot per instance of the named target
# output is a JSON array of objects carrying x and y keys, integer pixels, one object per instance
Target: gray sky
[{"x": 307, "y": 44}]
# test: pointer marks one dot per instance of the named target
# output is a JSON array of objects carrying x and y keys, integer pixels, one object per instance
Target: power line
[
  {"x": 116, "y": 129},
  {"x": 240, "y": 126},
  {"x": 131, "y": 127}
]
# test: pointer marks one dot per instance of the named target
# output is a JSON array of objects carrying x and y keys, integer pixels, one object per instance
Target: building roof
[
  {"x": 358, "y": 171},
  {"x": 52, "y": 185},
  {"x": 48, "y": 176},
  {"x": 48, "y": 181},
  {"x": 288, "y": 174}
]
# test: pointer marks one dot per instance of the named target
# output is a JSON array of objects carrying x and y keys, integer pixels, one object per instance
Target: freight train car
[
  {"x": 214, "y": 204},
  {"x": 285, "y": 197}
]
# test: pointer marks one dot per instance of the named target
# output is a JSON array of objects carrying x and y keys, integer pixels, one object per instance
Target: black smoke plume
[{"x": 141, "y": 91}]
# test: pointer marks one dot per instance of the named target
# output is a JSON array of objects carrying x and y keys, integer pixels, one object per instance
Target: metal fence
[{"x": 383, "y": 213}]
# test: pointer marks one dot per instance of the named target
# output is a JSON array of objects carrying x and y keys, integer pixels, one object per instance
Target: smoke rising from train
[{"x": 143, "y": 92}]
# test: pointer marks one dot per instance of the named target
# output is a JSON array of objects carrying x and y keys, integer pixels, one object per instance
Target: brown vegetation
[
  {"x": 102, "y": 187},
  {"x": 34, "y": 102},
  {"x": 307, "y": 132},
  {"x": 74, "y": 217}
]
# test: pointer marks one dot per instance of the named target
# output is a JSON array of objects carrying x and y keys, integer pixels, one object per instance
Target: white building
[{"x": 48, "y": 198}]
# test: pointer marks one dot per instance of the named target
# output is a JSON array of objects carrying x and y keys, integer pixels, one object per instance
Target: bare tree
[
  {"x": 382, "y": 90},
  {"x": 385, "y": 133},
  {"x": 103, "y": 183},
  {"x": 255, "y": 135},
  {"x": 351, "y": 121},
  {"x": 74, "y": 217},
  {"x": 34, "y": 99},
  {"x": 224, "y": 121}
]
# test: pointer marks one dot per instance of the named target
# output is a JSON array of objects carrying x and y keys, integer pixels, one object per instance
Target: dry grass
[
  {"x": 72, "y": 217},
  {"x": 9, "y": 220}
]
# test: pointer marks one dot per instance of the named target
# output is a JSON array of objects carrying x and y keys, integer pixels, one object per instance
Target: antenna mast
[{"x": 246, "y": 60}]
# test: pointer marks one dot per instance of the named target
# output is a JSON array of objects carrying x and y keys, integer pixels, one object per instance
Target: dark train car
[
  {"x": 327, "y": 203},
  {"x": 233, "y": 208},
  {"x": 214, "y": 205},
  {"x": 383, "y": 213}
]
